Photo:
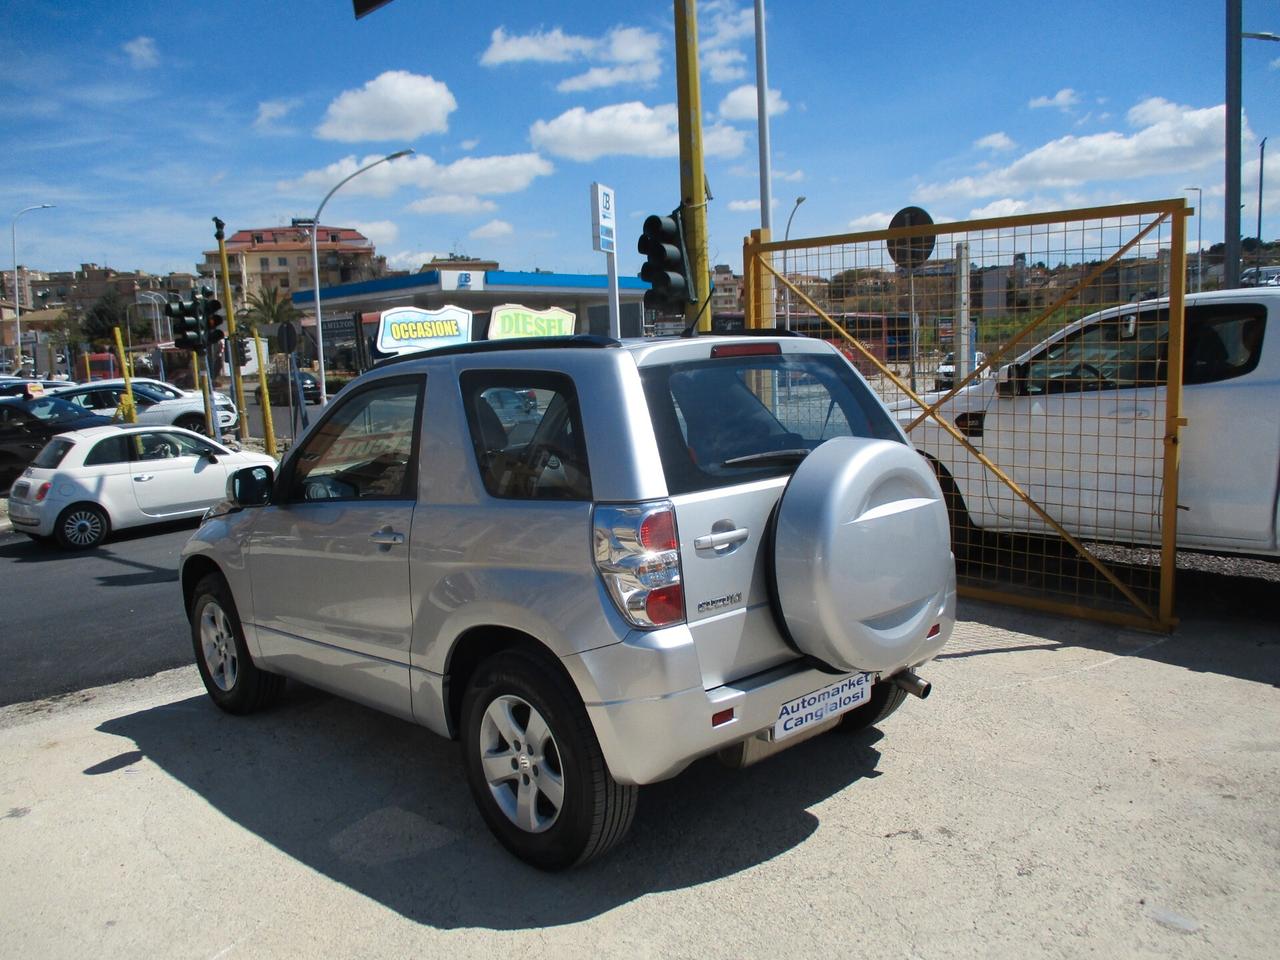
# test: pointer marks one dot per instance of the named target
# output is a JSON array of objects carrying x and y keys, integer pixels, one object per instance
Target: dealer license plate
[{"x": 830, "y": 701}]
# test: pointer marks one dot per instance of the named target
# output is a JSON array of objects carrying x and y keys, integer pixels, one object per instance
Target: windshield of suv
[{"x": 733, "y": 419}]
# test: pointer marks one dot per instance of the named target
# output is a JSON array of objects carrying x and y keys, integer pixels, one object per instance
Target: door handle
[
  {"x": 714, "y": 541},
  {"x": 386, "y": 537},
  {"x": 144, "y": 477}
]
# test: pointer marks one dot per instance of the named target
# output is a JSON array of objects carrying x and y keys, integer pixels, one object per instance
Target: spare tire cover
[{"x": 862, "y": 554}]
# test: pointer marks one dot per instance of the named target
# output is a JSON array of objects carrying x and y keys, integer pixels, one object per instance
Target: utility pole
[
  {"x": 236, "y": 380},
  {"x": 1231, "y": 230},
  {"x": 693, "y": 181}
]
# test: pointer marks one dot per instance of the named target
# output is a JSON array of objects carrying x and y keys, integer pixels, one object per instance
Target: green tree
[
  {"x": 269, "y": 306},
  {"x": 112, "y": 310}
]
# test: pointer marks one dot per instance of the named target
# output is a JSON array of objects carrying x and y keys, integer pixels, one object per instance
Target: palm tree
[{"x": 270, "y": 307}]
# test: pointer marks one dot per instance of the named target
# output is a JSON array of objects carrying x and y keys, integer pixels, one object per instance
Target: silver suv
[{"x": 709, "y": 545}]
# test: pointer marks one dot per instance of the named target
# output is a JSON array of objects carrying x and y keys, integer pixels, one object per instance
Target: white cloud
[
  {"x": 410, "y": 259},
  {"x": 396, "y": 105},
  {"x": 1170, "y": 139},
  {"x": 1064, "y": 99},
  {"x": 723, "y": 23},
  {"x": 740, "y": 103},
  {"x": 469, "y": 144},
  {"x": 469, "y": 175},
  {"x": 793, "y": 176},
  {"x": 1000, "y": 208},
  {"x": 995, "y": 141},
  {"x": 1275, "y": 64},
  {"x": 492, "y": 230},
  {"x": 554, "y": 46},
  {"x": 741, "y": 206},
  {"x": 627, "y": 55},
  {"x": 142, "y": 53},
  {"x": 724, "y": 66},
  {"x": 269, "y": 111},
  {"x": 870, "y": 221},
  {"x": 640, "y": 74},
  {"x": 453, "y": 203},
  {"x": 626, "y": 129},
  {"x": 381, "y": 232}
]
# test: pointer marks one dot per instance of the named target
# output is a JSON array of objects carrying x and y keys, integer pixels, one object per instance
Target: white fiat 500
[{"x": 86, "y": 483}]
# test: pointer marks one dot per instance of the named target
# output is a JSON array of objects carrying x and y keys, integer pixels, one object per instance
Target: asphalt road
[{"x": 70, "y": 620}]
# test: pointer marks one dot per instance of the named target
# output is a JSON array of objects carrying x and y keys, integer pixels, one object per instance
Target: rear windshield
[
  {"x": 52, "y": 454},
  {"x": 709, "y": 413}
]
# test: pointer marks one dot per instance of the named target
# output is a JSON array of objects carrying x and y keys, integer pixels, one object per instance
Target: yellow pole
[
  {"x": 1174, "y": 420},
  {"x": 127, "y": 408},
  {"x": 268, "y": 425},
  {"x": 693, "y": 182},
  {"x": 236, "y": 380}
]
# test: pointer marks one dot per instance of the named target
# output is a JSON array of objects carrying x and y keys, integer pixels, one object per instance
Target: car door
[
  {"x": 174, "y": 474},
  {"x": 1231, "y": 444},
  {"x": 1084, "y": 436},
  {"x": 329, "y": 555}
]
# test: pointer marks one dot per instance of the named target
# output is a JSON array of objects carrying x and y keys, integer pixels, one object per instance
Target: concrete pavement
[{"x": 1068, "y": 789}]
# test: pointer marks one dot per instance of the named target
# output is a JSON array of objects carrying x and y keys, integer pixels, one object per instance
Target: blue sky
[{"x": 142, "y": 120}]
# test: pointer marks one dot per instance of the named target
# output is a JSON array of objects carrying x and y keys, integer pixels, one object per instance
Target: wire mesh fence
[{"x": 1028, "y": 358}]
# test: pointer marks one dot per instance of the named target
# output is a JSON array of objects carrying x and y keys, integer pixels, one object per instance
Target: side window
[
  {"x": 110, "y": 450},
  {"x": 1222, "y": 342},
  {"x": 526, "y": 430},
  {"x": 1120, "y": 352},
  {"x": 365, "y": 449},
  {"x": 163, "y": 445},
  {"x": 82, "y": 400}
]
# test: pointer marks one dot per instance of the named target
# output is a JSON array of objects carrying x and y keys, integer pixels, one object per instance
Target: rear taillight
[
  {"x": 637, "y": 554},
  {"x": 43, "y": 491}
]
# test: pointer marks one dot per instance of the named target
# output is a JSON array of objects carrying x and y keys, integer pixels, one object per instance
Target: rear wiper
[{"x": 769, "y": 458}]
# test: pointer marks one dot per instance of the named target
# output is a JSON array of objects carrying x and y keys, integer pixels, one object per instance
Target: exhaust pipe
[{"x": 911, "y": 683}]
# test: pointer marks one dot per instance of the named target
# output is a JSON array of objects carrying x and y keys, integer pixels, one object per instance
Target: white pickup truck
[{"x": 1078, "y": 422}]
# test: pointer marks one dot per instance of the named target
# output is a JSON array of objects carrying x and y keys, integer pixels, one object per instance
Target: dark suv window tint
[
  {"x": 110, "y": 450},
  {"x": 365, "y": 449},
  {"x": 1120, "y": 352},
  {"x": 526, "y": 429},
  {"x": 1222, "y": 342},
  {"x": 53, "y": 453},
  {"x": 709, "y": 413}
]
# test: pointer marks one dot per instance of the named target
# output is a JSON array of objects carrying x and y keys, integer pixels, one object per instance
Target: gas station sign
[{"x": 514, "y": 320}]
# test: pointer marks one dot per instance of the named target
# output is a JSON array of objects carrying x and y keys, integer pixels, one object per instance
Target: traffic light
[
  {"x": 666, "y": 268},
  {"x": 188, "y": 324},
  {"x": 214, "y": 317},
  {"x": 242, "y": 351}
]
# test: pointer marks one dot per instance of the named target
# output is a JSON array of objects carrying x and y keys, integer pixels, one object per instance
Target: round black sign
[
  {"x": 287, "y": 338},
  {"x": 910, "y": 252}
]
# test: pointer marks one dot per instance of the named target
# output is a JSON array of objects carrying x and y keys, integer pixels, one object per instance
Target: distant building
[
  {"x": 280, "y": 257},
  {"x": 727, "y": 290}
]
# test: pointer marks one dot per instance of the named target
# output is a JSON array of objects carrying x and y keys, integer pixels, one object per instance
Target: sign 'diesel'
[{"x": 513, "y": 320}]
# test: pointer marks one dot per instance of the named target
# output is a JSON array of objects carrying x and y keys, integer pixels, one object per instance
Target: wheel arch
[
  {"x": 476, "y": 645},
  {"x": 195, "y": 569}
]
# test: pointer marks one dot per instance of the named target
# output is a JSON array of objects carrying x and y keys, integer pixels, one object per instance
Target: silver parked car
[{"x": 709, "y": 545}]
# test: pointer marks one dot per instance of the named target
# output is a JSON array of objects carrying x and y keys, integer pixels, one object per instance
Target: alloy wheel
[
  {"x": 83, "y": 528},
  {"x": 218, "y": 644},
  {"x": 521, "y": 763}
]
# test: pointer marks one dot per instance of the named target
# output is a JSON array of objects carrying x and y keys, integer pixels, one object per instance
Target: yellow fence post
[
  {"x": 268, "y": 425},
  {"x": 1174, "y": 420},
  {"x": 127, "y": 409}
]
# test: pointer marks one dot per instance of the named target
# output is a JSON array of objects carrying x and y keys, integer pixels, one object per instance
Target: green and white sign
[{"x": 513, "y": 320}]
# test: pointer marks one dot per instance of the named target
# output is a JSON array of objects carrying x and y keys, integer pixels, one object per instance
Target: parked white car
[
  {"x": 154, "y": 406},
  {"x": 1077, "y": 422},
  {"x": 86, "y": 483}
]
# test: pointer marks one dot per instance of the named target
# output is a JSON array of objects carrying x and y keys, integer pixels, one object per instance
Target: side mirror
[
  {"x": 250, "y": 486},
  {"x": 1012, "y": 380},
  {"x": 209, "y": 455}
]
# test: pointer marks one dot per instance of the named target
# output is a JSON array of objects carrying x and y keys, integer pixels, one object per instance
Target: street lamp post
[
  {"x": 1199, "y": 244},
  {"x": 315, "y": 261},
  {"x": 785, "y": 237},
  {"x": 17, "y": 297},
  {"x": 1262, "y": 162}
]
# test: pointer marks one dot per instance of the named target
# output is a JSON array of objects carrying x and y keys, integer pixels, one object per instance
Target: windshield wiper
[{"x": 768, "y": 458}]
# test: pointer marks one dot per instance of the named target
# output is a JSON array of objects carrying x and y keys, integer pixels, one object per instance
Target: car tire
[
  {"x": 966, "y": 537},
  {"x": 886, "y": 697},
  {"x": 82, "y": 526},
  {"x": 193, "y": 423},
  {"x": 234, "y": 682},
  {"x": 556, "y": 805}
]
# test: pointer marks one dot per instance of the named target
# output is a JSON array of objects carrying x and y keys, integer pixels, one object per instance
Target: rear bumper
[
  {"x": 34, "y": 518},
  {"x": 646, "y": 702}
]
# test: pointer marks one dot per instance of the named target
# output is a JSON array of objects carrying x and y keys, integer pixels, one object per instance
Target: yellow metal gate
[{"x": 1036, "y": 361}]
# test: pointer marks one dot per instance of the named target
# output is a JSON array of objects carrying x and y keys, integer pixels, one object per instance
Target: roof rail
[{"x": 578, "y": 341}]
